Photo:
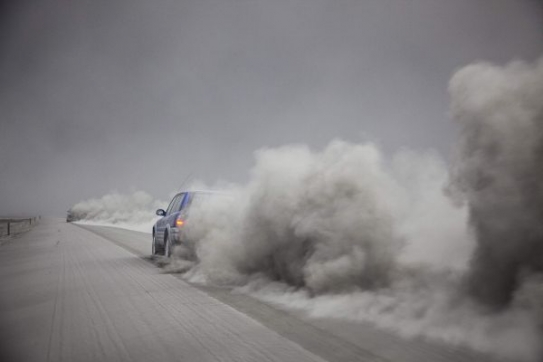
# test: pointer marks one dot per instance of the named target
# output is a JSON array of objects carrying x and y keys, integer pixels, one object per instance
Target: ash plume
[
  {"x": 498, "y": 173},
  {"x": 337, "y": 220},
  {"x": 346, "y": 233},
  {"x": 134, "y": 211}
]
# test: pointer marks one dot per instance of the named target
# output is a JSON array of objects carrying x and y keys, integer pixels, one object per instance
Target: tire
[
  {"x": 154, "y": 249},
  {"x": 167, "y": 246}
]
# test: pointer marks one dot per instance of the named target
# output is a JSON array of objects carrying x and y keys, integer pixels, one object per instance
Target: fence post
[{"x": 8, "y": 228}]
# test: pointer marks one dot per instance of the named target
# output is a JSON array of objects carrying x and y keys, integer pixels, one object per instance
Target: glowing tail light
[{"x": 179, "y": 222}]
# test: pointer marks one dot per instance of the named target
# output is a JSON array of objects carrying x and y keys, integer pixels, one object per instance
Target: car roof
[{"x": 218, "y": 192}]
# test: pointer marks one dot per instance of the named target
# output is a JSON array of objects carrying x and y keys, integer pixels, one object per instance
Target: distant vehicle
[
  {"x": 167, "y": 231},
  {"x": 72, "y": 215}
]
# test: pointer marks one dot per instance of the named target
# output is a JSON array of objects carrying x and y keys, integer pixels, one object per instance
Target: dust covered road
[{"x": 69, "y": 293}]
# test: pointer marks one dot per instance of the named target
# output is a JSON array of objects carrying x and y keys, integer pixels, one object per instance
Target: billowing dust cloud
[
  {"x": 135, "y": 210},
  {"x": 499, "y": 174},
  {"x": 339, "y": 220},
  {"x": 345, "y": 233}
]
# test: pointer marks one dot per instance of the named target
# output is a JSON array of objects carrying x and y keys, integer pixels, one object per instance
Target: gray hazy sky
[{"x": 100, "y": 95}]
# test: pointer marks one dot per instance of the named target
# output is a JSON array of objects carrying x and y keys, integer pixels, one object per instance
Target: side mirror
[{"x": 161, "y": 212}]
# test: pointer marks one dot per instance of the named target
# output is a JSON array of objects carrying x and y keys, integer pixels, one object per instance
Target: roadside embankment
[{"x": 10, "y": 227}]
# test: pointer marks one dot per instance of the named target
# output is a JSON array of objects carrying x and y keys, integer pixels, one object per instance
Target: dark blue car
[{"x": 167, "y": 232}]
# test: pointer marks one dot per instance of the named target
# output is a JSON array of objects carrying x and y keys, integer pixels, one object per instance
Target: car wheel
[
  {"x": 167, "y": 247},
  {"x": 155, "y": 249}
]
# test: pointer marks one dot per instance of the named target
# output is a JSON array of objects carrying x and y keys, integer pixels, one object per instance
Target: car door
[
  {"x": 162, "y": 224},
  {"x": 173, "y": 211}
]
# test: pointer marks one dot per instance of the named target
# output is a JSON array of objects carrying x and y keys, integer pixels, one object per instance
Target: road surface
[{"x": 73, "y": 293}]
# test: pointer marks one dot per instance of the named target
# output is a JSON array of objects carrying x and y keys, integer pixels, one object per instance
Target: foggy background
[{"x": 98, "y": 96}]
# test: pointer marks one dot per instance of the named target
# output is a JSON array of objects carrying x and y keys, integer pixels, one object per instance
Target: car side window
[
  {"x": 175, "y": 204},
  {"x": 179, "y": 203},
  {"x": 183, "y": 202},
  {"x": 172, "y": 204}
]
